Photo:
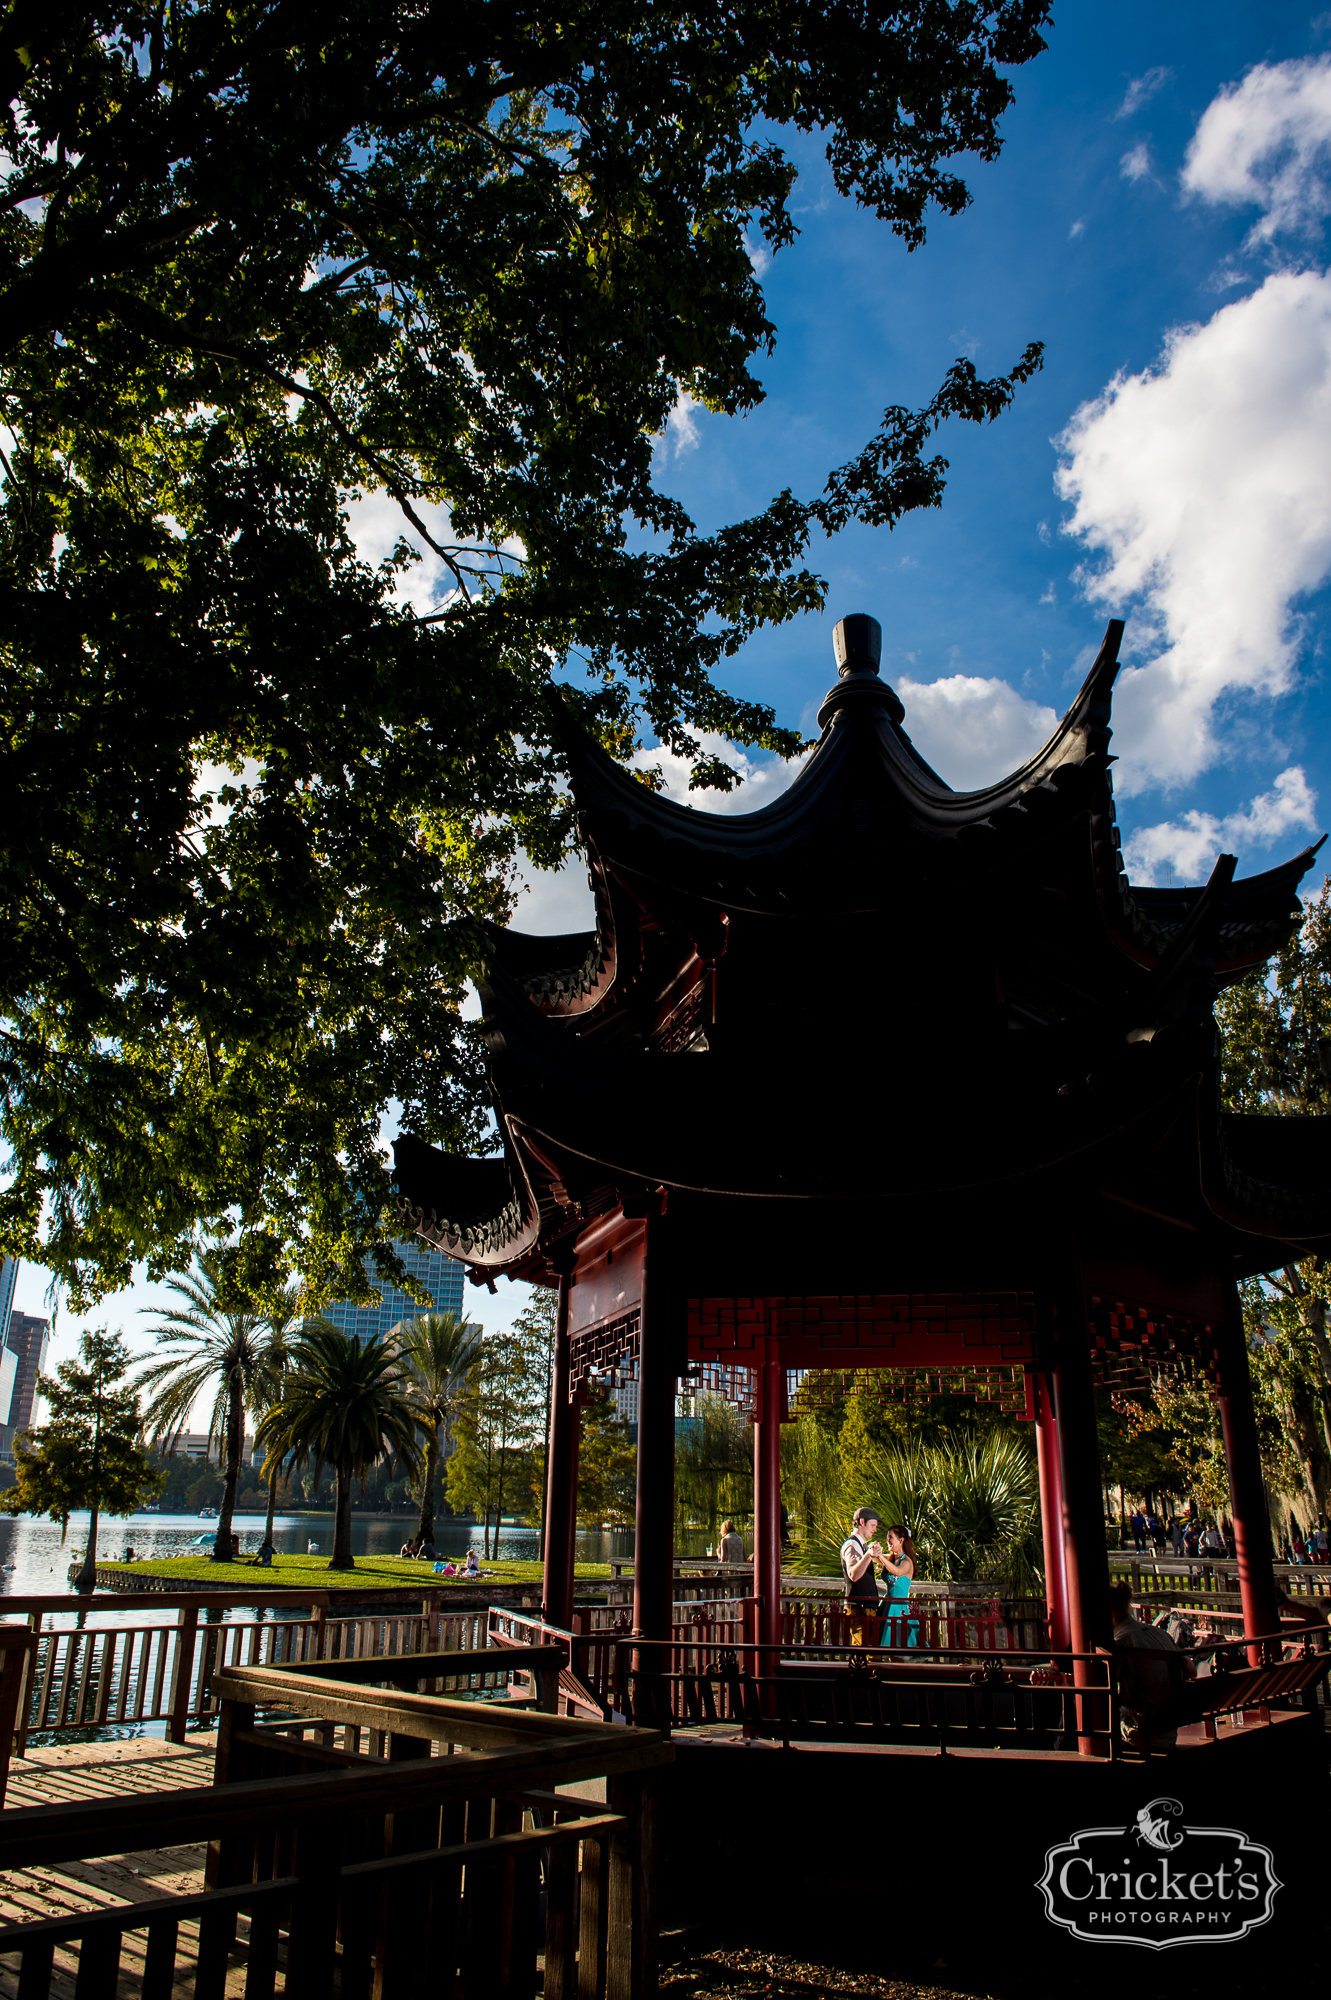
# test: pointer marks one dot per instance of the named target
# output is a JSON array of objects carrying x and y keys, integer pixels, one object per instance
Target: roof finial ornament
[{"x": 857, "y": 643}]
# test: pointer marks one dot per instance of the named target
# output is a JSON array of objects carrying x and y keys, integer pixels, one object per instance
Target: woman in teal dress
[{"x": 899, "y": 1629}]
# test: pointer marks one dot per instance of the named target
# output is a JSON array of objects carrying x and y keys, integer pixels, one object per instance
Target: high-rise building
[
  {"x": 8, "y": 1280},
  {"x": 28, "y": 1338},
  {"x": 8, "y": 1358},
  {"x": 440, "y": 1274}
]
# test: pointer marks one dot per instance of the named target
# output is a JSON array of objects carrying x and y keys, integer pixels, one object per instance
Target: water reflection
[{"x": 33, "y": 1561}]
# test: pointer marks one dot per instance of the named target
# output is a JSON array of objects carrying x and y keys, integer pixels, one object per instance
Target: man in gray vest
[{"x": 859, "y": 1553}]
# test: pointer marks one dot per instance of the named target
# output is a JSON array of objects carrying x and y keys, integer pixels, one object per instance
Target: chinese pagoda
[{"x": 883, "y": 1075}]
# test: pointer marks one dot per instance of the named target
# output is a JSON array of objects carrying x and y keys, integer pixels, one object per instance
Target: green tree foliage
[
  {"x": 972, "y": 1506},
  {"x": 1276, "y": 1040},
  {"x": 713, "y": 1463},
  {"x": 87, "y": 1453},
  {"x": 497, "y": 1432},
  {"x": 261, "y": 260},
  {"x": 607, "y": 1467},
  {"x": 212, "y": 1349},
  {"x": 345, "y": 1403},
  {"x": 439, "y": 1348}
]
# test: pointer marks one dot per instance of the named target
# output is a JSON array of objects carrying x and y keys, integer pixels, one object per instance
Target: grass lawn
[{"x": 313, "y": 1573}]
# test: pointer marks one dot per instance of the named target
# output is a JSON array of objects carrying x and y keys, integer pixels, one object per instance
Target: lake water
[{"x": 34, "y": 1563}]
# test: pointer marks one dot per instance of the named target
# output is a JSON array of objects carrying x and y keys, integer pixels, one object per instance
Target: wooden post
[
  {"x": 404, "y": 1909},
  {"x": 654, "y": 1513},
  {"x": 1085, "y": 1557},
  {"x": 29, "y": 1683},
  {"x": 633, "y": 1921},
  {"x": 221, "y": 1867},
  {"x": 1051, "y": 1513},
  {"x": 1247, "y": 1494},
  {"x": 561, "y": 1478},
  {"x": 767, "y": 1503},
  {"x": 182, "y": 1670}
]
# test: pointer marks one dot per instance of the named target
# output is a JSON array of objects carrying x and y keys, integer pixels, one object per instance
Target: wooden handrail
[
  {"x": 41, "y": 1836},
  {"x": 424, "y": 1666},
  {"x": 480, "y": 1724}
]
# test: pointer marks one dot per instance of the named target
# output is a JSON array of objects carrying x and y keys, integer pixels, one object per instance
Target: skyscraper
[
  {"x": 8, "y": 1280},
  {"x": 29, "y": 1338},
  {"x": 440, "y": 1274}
]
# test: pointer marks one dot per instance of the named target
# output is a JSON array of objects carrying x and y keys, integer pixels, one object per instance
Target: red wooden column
[
  {"x": 1247, "y": 1494},
  {"x": 767, "y": 1500},
  {"x": 654, "y": 1514},
  {"x": 1085, "y": 1557},
  {"x": 561, "y": 1478},
  {"x": 1051, "y": 1513}
]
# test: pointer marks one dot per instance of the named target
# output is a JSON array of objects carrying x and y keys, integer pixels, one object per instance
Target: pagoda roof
[{"x": 1030, "y": 1011}]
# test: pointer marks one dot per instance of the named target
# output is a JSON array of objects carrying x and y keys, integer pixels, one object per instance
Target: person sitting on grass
[{"x": 473, "y": 1567}]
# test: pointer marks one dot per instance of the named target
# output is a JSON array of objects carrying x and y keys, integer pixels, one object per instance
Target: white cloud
[
  {"x": 1078, "y": 228},
  {"x": 552, "y": 902},
  {"x": 377, "y": 524},
  {"x": 764, "y": 778},
  {"x": 1141, "y": 90},
  {"x": 758, "y": 253},
  {"x": 1136, "y": 165},
  {"x": 1186, "y": 848},
  {"x": 683, "y": 433},
  {"x": 1205, "y": 482},
  {"x": 973, "y": 731},
  {"x": 1262, "y": 144}
]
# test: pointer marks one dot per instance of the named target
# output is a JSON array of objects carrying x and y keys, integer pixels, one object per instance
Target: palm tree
[
  {"x": 438, "y": 1347},
  {"x": 207, "y": 1347},
  {"x": 345, "y": 1403},
  {"x": 269, "y": 1378}
]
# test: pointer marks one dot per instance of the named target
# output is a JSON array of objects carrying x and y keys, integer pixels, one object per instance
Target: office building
[
  {"x": 440, "y": 1274},
  {"x": 196, "y": 1444},
  {"x": 8, "y": 1280},
  {"x": 29, "y": 1339}
]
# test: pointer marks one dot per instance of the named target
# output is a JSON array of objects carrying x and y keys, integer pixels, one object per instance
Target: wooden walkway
[{"x": 70, "y": 1772}]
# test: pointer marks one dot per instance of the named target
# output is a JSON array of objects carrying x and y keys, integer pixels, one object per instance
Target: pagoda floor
[{"x": 955, "y": 1847}]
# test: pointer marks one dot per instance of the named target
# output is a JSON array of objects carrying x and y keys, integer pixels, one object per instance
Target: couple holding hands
[{"x": 867, "y": 1614}]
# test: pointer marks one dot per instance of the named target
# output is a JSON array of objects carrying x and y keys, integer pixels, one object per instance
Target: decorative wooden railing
[
  {"x": 351, "y": 1873},
  {"x": 95, "y": 1676}
]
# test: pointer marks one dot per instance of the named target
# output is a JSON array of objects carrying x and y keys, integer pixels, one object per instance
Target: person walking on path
[
  {"x": 1139, "y": 1531},
  {"x": 859, "y": 1552}
]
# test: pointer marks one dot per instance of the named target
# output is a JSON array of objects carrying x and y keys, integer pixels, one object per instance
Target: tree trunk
[
  {"x": 342, "y": 1557},
  {"x": 273, "y": 1478},
  {"x": 235, "y": 1434},
  {"x": 425, "y": 1525},
  {"x": 1314, "y": 1313},
  {"x": 499, "y": 1503},
  {"x": 87, "y": 1576},
  {"x": 1305, "y": 1410}
]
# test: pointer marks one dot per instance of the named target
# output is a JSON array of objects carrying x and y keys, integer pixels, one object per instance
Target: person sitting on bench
[{"x": 1151, "y": 1671}]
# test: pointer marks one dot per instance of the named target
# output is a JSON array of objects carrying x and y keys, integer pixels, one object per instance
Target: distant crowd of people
[{"x": 1215, "y": 1539}]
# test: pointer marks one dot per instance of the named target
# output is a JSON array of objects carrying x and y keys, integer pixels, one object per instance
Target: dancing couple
[{"x": 869, "y": 1617}]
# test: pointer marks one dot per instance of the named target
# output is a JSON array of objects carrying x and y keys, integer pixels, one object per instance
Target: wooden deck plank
[{"x": 63, "y": 1775}]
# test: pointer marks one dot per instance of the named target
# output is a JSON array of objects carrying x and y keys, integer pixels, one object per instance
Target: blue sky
[{"x": 1158, "y": 219}]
